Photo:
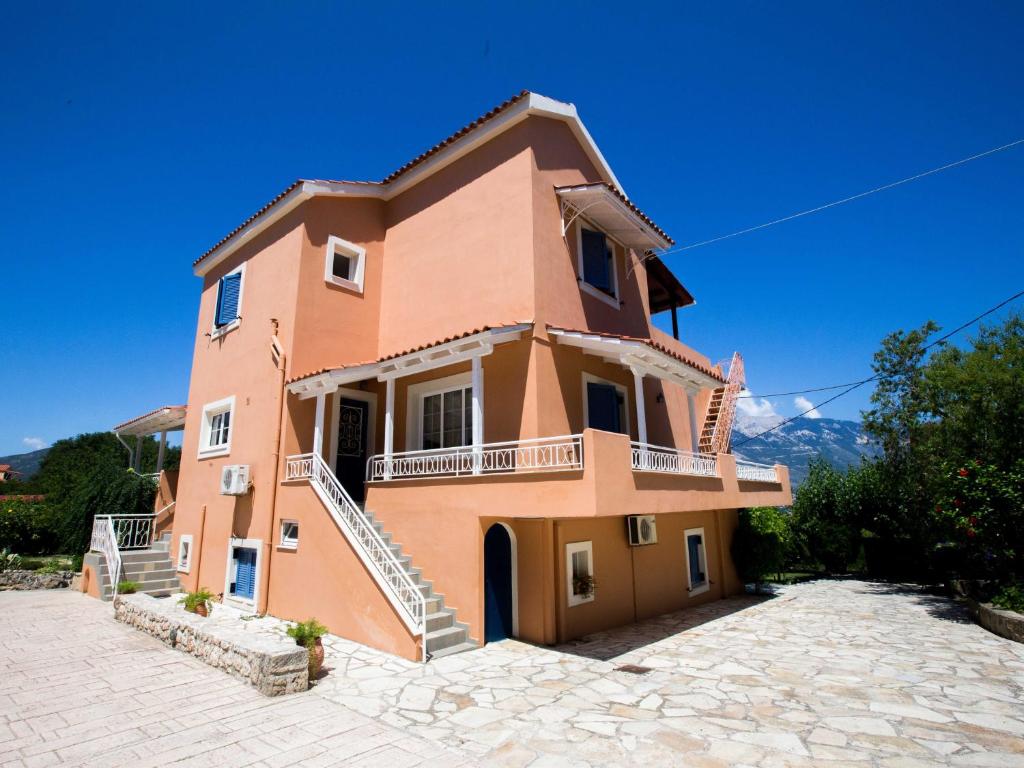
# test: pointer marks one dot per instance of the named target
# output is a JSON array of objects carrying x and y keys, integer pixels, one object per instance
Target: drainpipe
[{"x": 276, "y": 349}]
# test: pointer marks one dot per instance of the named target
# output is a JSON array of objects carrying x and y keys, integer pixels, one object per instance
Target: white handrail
[
  {"x": 542, "y": 454},
  {"x": 762, "y": 473},
  {"x": 131, "y": 531},
  {"x": 104, "y": 541},
  {"x": 657, "y": 458},
  {"x": 388, "y": 571}
]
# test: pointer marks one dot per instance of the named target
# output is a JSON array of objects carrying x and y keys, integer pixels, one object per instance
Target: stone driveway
[{"x": 828, "y": 673}]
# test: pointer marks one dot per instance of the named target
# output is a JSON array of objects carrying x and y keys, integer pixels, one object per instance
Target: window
[
  {"x": 696, "y": 562},
  {"x": 344, "y": 264},
  {"x": 227, "y": 314},
  {"x": 241, "y": 577},
  {"x": 597, "y": 265},
  {"x": 215, "y": 431},
  {"x": 185, "y": 553},
  {"x": 604, "y": 405},
  {"x": 579, "y": 572},
  {"x": 447, "y": 419},
  {"x": 289, "y": 534}
]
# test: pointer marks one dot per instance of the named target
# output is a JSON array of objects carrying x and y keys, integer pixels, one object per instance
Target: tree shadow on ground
[
  {"x": 932, "y": 598},
  {"x": 612, "y": 643}
]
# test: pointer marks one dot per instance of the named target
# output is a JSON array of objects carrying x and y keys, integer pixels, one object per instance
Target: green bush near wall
[{"x": 28, "y": 526}]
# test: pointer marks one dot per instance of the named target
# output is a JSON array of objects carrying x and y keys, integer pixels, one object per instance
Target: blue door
[
  {"x": 497, "y": 584},
  {"x": 693, "y": 544},
  {"x": 245, "y": 573},
  {"x": 604, "y": 407}
]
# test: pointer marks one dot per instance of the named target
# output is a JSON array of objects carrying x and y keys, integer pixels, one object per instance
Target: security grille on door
[
  {"x": 642, "y": 530},
  {"x": 350, "y": 433}
]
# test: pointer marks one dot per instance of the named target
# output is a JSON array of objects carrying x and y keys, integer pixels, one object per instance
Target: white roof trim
[
  {"x": 169, "y": 419},
  {"x": 437, "y": 356},
  {"x": 532, "y": 104},
  {"x": 606, "y": 210},
  {"x": 636, "y": 355}
]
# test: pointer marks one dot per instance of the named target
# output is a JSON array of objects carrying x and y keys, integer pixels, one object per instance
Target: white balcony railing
[
  {"x": 761, "y": 473},
  {"x": 656, "y": 458},
  {"x": 129, "y": 531},
  {"x": 545, "y": 454}
]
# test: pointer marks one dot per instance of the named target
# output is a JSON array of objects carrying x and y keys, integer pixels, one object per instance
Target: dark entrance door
[
  {"x": 604, "y": 407},
  {"x": 353, "y": 424},
  {"x": 497, "y": 584}
]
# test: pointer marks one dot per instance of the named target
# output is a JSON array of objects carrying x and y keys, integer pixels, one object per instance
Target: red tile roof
[
  {"x": 155, "y": 411},
  {"x": 411, "y": 350},
  {"x": 714, "y": 373}
]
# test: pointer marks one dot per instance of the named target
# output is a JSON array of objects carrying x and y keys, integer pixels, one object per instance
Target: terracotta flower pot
[
  {"x": 201, "y": 610},
  {"x": 316, "y": 658}
]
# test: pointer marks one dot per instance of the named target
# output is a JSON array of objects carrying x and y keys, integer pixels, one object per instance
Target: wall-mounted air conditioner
[
  {"x": 642, "y": 530},
  {"x": 234, "y": 480}
]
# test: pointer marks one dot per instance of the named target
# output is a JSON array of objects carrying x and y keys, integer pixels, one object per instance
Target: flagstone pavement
[{"x": 831, "y": 673}]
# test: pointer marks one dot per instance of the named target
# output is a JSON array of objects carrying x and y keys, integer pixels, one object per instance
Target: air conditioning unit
[
  {"x": 234, "y": 480},
  {"x": 642, "y": 530}
]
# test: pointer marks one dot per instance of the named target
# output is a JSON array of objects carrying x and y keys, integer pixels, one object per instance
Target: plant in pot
[
  {"x": 307, "y": 634},
  {"x": 583, "y": 586},
  {"x": 198, "y": 602},
  {"x": 127, "y": 587}
]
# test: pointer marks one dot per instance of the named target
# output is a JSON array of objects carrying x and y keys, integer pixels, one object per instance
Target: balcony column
[
  {"x": 318, "y": 425},
  {"x": 137, "y": 464},
  {"x": 641, "y": 411},
  {"x": 478, "y": 414},
  {"x": 160, "y": 452},
  {"x": 389, "y": 424}
]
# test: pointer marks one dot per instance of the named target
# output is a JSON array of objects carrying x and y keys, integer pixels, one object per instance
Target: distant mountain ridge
[
  {"x": 842, "y": 443},
  {"x": 26, "y": 463}
]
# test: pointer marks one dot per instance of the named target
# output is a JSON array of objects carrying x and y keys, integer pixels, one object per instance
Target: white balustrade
[
  {"x": 761, "y": 473},
  {"x": 656, "y": 458},
  {"x": 545, "y": 454},
  {"x": 104, "y": 541},
  {"x": 130, "y": 531}
]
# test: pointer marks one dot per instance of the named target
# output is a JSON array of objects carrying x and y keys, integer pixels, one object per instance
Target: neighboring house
[
  {"x": 443, "y": 412},
  {"x": 6, "y": 473}
]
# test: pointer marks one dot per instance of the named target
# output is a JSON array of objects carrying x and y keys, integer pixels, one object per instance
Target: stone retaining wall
[
  {"x": 34, "y": 580},
  {"x": 272, "y": 666},
  {"x": 1008, "y": 624}
]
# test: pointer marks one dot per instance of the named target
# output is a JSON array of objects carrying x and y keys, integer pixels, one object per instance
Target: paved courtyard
[{"x": 828, "y": 673}]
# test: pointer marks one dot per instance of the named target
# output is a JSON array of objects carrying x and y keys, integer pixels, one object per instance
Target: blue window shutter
[
  {"x": 595, "y": 260},
  {"x": 227, "y": 299},
  {"x": 603, "y": 407},
  {"x": 693, "y": 544},
  {"x": 245, "y": 578}
]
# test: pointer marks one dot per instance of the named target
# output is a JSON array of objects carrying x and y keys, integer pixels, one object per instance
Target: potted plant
[
  {"x": 583, "y": 586},
  {"x": 127, "y": 587},
  {"x": 198, "y": 602},
  {"x": 307, "y": 634}
]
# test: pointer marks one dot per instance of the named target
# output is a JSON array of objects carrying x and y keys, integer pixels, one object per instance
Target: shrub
[
  {"x": 306, "y": 632},
  {"x": 127, "y": 587},
  {"x": 760, "y": 543},
  {"x": 192, "y": 600},
  {"x": 821, "y": 521},
  {"x": 104, "y": 491},
  {"x": 1010, "y": 598},
  {"x": 28, "y": 525},
  {"x": 9, "y": 561}
]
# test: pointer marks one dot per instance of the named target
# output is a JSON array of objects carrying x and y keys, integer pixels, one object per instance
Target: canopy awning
[
  {"x": 613, "y": 213},
  {"x": 664, "y": 290},
  {"x": 643, "y": 356},
  {"x": 169, "y": 418}
]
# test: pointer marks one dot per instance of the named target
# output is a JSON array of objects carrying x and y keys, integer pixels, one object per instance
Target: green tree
[
  {"x": 760, "y": 543},
  {"x": 104, "y": 490},
  {"x": 821, "y": 520}
]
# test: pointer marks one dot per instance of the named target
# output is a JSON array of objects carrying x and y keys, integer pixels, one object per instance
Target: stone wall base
[
  {"x": 274, "y": 667},
  {"x": 34, "y": 580}
]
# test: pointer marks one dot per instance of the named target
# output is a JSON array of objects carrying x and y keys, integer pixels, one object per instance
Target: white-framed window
[
  {"x": 289, "y": 534},
  {"x": 185, "y": 553},
  {"x": 605, "y": 404},
  {"x": 579, "y": 572},
  {"x": 344, "y": 264},
  {"x": 441, "y": 413},
  {"x": 696, "y": 562},
  {"x": 598, "y": 273},
  {"x": 227, "y": 312},
  {"x": 216, "y": 428},
  {"x": 242, "y": 577}
]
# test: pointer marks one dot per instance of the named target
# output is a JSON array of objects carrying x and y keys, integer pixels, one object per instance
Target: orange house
[{"x": 433, "y": 411}]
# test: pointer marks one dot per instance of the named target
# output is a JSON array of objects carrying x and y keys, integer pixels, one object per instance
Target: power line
[
  {"x": 861, "y": 383},
  {"x": 849, "y": 199}
]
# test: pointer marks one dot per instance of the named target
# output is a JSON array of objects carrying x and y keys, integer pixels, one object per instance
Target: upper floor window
[
  {"x": 215, "y": 430},
  {"x": 227, "y": 314},
  {"x": 597, "y": 265},
  {"x": 344, "y": 264}
]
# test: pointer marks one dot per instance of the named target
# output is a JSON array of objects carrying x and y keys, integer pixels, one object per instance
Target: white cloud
[
  {"x": 33, "y": 443},
  {"x": 803, "y": 404},
  {"x": 754, "y": 414}
]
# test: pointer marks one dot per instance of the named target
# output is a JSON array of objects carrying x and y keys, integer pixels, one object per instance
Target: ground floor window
[
  {"x": 185, "y": 553},
  {"x": 289, "y": 534},
  {"x": 696, "y": 562},
  {"x": 579, "y": 571},
  {"x": 242, "y": 573}
]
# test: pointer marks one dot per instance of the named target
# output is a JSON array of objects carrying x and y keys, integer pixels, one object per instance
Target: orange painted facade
[{"x": 470, "y": 238}]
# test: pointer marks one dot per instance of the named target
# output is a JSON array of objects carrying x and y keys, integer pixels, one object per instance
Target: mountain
[
  {"x": 26, "y": 463},
  {"x": 841, "y": 443}
]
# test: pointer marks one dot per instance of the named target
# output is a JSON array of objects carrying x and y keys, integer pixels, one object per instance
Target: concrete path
[{"x": 831, "y": 673}]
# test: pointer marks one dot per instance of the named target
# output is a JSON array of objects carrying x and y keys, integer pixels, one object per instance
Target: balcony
[
  {"x": 656, "y": 458},
  {"x": 756, "y": 473}
]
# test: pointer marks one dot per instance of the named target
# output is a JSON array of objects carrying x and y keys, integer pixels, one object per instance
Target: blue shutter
[
  {"x": 595, "y": 260},
  {"x": 693, "y": 545},
  {"x": 603, "y": 407},
  {"x": 227, "y": 299},
  {"x": 245, "y": 577}
]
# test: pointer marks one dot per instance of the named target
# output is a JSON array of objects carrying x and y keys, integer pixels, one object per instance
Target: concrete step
[
  {"x": 148, "y": 577},
  {"x": 445, "y": 638},
  {"x": 451, "y": 650},
  {"x": 143, "y": 556},
  {"x": 161, "y": 546},
  {"x": 440, "y": 620},
  {"x": 162, "y": 586},
  {"x": 149, "y": 565}
]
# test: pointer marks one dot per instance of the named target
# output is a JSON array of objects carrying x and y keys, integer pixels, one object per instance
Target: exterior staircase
[
  {"x": 716, "y": 434},
  {"x": 152, "y": 569}
]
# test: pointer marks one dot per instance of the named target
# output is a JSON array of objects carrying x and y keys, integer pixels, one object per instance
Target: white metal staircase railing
[
  {"x": 104, "y": 541},
  {"x": 656, "y": 458},
  {"x": 763, "y": 473},
  {"x": 717, "y": 430},
  {"x": 542, "y": 454},
  {"x": 389, "y": 573}
]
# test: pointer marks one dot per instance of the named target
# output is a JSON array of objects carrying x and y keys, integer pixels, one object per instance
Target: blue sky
[{"x": 133, "y": 136}]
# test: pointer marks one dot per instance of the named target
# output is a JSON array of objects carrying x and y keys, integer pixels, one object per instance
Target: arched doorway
[{"x": 499, "y": 584}]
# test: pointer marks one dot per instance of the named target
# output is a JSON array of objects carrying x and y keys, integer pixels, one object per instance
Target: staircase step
[
  {"x": 452, "y": 649},
  {"x": 440, "y": 620},
  {"x": 445, "y": 638},
  {"x": 142, "y": 556}
]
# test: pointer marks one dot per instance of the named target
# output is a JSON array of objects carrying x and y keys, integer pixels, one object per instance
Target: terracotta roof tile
[
  {"x": 148, "y": 414},
  {"x": 618, "y": 193}
]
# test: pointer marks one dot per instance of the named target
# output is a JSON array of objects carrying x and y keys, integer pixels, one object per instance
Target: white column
[
  {"x": 138, "y": 453},
  {"x": 318, "y": 425},
  {"x": 478, "y": 414},
  {"x": 389, "y": 425},
  {"x": 641, "y": 411},
  {"x": 691, "y": 406},
  {"x": 160, "y": 452}
]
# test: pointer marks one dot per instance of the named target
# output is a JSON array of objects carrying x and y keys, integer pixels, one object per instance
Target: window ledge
[
  {"x": 212, "y": 453},
  {"x": 699, "y": 590},
  {"x": 216, "y": 333},
  {"x": 288, "y": 547},
  {"x": 597, "y": 293},
  {"x": 574, "y": 600},
  {"x": 349, "y": 285}
]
